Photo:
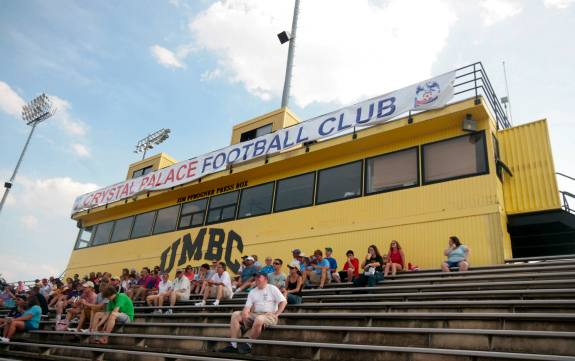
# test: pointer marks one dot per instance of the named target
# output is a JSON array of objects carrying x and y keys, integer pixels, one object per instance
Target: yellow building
[{"x": 417, "y": 179}]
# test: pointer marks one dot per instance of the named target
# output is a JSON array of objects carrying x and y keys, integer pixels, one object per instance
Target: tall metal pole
[
  {"x": 289, "y": 66},
  {"x": 8, "y": 185}
]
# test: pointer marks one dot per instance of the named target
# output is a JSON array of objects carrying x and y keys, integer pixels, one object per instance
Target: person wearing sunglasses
[{"x": 277, "y": 277}]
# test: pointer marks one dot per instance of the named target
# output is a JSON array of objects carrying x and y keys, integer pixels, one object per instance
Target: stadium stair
[{"x": 515, "y": 311}]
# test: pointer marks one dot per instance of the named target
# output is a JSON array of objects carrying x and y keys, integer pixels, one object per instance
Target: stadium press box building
[{"x": 456, "y": 169}]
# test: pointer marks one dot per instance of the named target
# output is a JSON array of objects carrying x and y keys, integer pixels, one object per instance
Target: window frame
[
  {"x": 89, "y": 242},
  {"x": 317, "y": 180},
  {"x": 150, "y": 167},
  {"x": 155, "y": 211},
  {"x": 273, "y": 183},
  {"x": 206, "y": 221},
  {"x": 129, "y": 233},
  {"x": 419, "y": 168},
  {"x": 276, "y": 186},
  {"x": 486, "y": 158},
  {"x": 205, "y": 211},
  {"x": 96, "y": 226},
  {"x": 156, "y": 219}
]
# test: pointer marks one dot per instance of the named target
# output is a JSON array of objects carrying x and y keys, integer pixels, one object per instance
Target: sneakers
[
  {"x": 244, "y": 348},
  {"x": 157, "y": 312},
  {"x": 229, "y": 349},
  {"x": 202, "y": 303},
  {"x": 216, "y": 302},
  {"x": 71, "y": 329},
  {"x": 168, "y": 311},
  {"x": 85, "y": 330},
  {"x": 5, "y": 339}
]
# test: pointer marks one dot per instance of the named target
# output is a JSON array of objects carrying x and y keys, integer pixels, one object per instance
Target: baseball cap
[
  {"x": 297, "y": 250},
  {"x": 179, "y": 270},
  {"x": 88, "y": 284},
  {"x": 250, "y": 258},
  {"x": 294, "y": 264},
  {"x": 261, "y": 274}
]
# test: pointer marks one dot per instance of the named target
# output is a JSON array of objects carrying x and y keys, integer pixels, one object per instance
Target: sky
[{"x": 118, "y": 70}]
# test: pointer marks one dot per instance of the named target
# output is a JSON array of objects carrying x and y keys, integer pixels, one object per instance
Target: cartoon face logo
[{"x": 426, "y": 93}]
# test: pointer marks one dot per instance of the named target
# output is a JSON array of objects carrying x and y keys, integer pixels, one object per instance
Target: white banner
[{"x": 430, "y": 94}]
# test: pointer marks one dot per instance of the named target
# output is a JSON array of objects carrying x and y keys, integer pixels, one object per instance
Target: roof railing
[{"x": 473, "y": 78}]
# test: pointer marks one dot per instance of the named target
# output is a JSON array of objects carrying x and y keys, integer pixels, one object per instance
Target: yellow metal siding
[{"x": 526, "y": 150}]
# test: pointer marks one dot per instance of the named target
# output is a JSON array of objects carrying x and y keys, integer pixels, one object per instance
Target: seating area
[{"x": 514, "y": 311}]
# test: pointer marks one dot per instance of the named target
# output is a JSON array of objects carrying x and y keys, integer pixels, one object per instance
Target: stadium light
[
  {"x": 284, "y": 37},
  {"x": 153, "y": 139},
  {"x": 33, "y": 113}
]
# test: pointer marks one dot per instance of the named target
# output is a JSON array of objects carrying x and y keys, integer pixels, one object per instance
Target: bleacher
[{"x": 515, "y": 311}]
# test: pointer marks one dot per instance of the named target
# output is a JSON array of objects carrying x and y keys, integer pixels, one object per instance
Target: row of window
[{"x": 457, "y": 157}]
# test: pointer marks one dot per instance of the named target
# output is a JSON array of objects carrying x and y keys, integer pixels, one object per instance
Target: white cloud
[
  {"x": 10, "y": 102},
  {"x": 68, "y": 123},
  {"x": 494, "y": 11},
  {"x": 81, "y": 150},
  {"x": 23, "y": 269},
  {"x": 345, "y": 50},
  {"x": 558, "y": 4},
  {"x": 166, "y": 57},
  {"x": 211, "y": 74}
]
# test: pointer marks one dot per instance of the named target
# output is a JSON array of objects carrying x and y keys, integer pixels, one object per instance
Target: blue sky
[{"x": 118, "y": 70}]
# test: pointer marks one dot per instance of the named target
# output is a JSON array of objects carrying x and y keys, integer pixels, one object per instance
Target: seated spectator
[
  {"x": 16, "y": 311},
  {"x": 277, "y": 277},
  {"x": 350, "y": 268},
  {"x": 395, "y": 259},
  {"x": 256, "y": 262},
  {"x": 46, "y": 288},
  {"x": 164, "y": 291},
  {"x": 29, "y": 320},
  {"x": 247, "y": 276},
  {"x": 119, "y": 309},
  {"x": 372, "y": 267},
  {"x": 189, "y": 273},
  {"x": 293, "y": 286},
  {"x": 199, "y": 279},
  {"x": 21, "y": 288},
  {"x": 80, "y": 307},
  {"x": 68, "y": 299},
  {"x": 332, "y": 265},
  {"x": 218, "y": 286},
  {"x": 318, "y": 270},
  {"x": 263, "y": 306},
  {"x": 180, "y": 290},
  {"x": 146, "y": 284},
  {"x": 295, "y": 262},
  {"x": 457, "y": 255},
  {"x": 7, "y": 297},
  {"x": 35, "y": 292},
  {"x": 268, "y": 268},
  {"x": 92, "y": 308}
]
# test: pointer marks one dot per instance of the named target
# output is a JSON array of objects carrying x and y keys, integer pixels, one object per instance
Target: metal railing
[
  {"x": 566, "y": 195},
  {"x": 473, "y": 78}
]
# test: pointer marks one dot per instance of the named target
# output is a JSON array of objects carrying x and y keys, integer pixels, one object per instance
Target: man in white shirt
[
  {"x": 180, "y": 290},
  {"x": 164, "y": 291},
  {"x": 219, "y": 286},
  {"x": 264, "y": 304}
]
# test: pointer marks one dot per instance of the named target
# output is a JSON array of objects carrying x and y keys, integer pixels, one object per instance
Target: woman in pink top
[{"x": 395, "y": 259}]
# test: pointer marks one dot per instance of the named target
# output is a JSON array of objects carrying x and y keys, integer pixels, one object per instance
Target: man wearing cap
[
  {"x": 246, "y": 278},
  {"x": 295, "y": 262},
  {"x": 164, "y": 290},
  {"x": 87, "y": 299},
  {"x": 264, "y": 304},
  {"x": 332, "y": 265},
  {"x": 180, "y": 290},
  {"x": 219, "y": 286},
  {"x": 318, "y": 272}
]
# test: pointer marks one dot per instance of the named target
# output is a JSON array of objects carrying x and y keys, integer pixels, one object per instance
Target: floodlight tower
[
  {"x": 284, "y": 37},
  {"x": 152, "y": 139},
  {"x": 35, "y": 112}
]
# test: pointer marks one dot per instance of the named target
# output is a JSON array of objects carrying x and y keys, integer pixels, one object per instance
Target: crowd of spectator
[{"x": 99, "y": 301}]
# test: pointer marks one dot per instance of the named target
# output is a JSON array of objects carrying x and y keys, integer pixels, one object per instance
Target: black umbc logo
[{"x": 192, "y": 249}]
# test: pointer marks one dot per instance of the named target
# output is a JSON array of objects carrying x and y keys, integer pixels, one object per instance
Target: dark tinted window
[
  {"x": 102, "y": 235},
  {"x": 222, "y": 207},
  {"x": 252, "y": 134},
  {"x": 192, "y": 214},
  {"x": 143, "y": 224},
  {"x": 167, "y": 219},
  {"x": 256, "y": 200},
  {"x": 294, "y": 192},
  {"x": 455, "y": 157},
  {"x": 392, "y": 171},
  {"x": 84, "y": 238},
  {"x": 122, "y": 229},
  {"x": 339, "y": 182},
  {"x": 141, "y": 172}
]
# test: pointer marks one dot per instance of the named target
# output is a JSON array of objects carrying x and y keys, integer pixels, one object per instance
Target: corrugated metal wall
[{"x": 526, "y": 150}]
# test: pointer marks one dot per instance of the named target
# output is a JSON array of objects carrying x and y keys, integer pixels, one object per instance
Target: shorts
[
  {"x": 269, "y": 319},
  {"x": 182, "y": 296},
  {"x": 315, "y": 278},
  {"x": 227, "y": 292},
  {"x": 453, "y": 264},
  {"x": 29, "y": 327},
  {"x": 122, "y": 318}
]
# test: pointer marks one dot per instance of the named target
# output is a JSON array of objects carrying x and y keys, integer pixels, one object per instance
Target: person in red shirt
[
  {"x": 395, "y": 259},
  {"x": 189, "y": 273},
  {"x": 350, "y": 268}
]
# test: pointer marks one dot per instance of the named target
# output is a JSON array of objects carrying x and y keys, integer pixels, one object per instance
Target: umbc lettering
[{"x": 192, "y": 249}]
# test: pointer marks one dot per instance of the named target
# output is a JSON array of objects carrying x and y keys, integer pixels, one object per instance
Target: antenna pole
[
  {"x": 507, "y": 91},
  {"x": 289, "y": 66}
]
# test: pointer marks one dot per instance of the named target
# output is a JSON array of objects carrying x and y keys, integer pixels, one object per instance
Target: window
[
  {"x": 256, "y": 200},
  {"x": 141, "y": 172},
  {"x": 102, "y": 234},
  {"x": 192, "y": 214},
  {"x": 122, "y": 229},
  {"x": 341, "y": 182},
  {"x": 258, "y": 132},
  {"x": 454, "y": 158},
  {"x": 167, "y": 219},
  {"x": 294, "y": 192},
  {"x": 392, "y": 171},
  {"x": 143, "y": 224},
  {"x": 223, "y": 207},
  {"x": 84, "y": 237}
]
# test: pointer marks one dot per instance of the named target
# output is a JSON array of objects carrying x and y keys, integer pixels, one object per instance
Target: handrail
[
  {"x": 565, "y": 175},
  {"x": 566, "y": 206}
]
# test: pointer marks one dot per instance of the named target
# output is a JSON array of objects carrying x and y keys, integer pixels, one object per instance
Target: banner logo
[{"x": 427, "y": 93}]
